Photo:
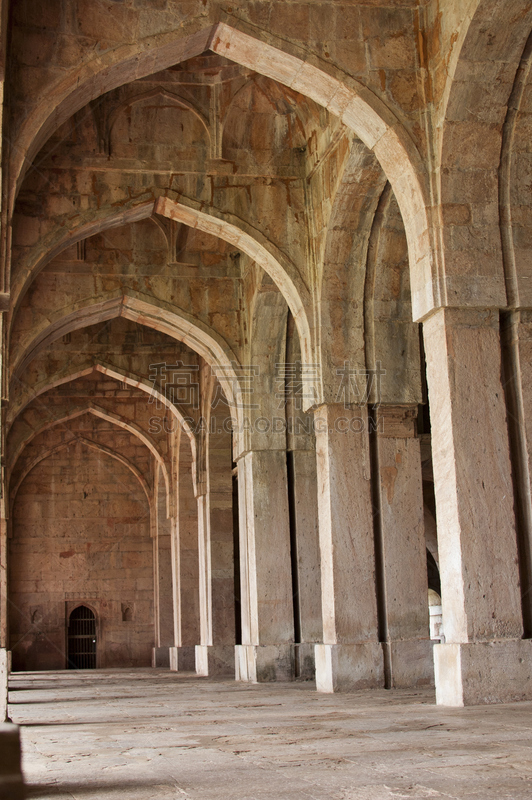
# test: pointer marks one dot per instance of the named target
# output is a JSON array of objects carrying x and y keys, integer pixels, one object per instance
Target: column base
[
  {"x": 476, "y": 673},
  {"x": 11, "y": 780},
  {"x": 346, "y": 667},
  {"x": 305, "y": 661},
  {"x": 182, "y": 659},
  {"x": 215, "y": 660},
  {"x": 4, "y": 674},
  {"x": 264, "y": 663},
  {"x": 160, "y": 657},
  {"x": 412, "y": 663}
]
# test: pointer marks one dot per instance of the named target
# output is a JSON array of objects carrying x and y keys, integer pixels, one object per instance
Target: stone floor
[{"x": 152, "y": 734}]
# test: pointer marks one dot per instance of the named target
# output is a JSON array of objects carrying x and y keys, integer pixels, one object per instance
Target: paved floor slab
[{"x": 156, "y": 735}]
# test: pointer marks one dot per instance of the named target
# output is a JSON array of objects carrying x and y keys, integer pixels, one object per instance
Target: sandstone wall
[{"x": 81, "y": 535}]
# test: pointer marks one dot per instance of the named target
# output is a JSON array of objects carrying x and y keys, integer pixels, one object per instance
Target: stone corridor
[
  {"x": 154, "y": 735},
  {"x": 266, "y": 398}
]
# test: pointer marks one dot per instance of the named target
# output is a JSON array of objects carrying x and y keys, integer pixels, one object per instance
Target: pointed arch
[
  {"x": 88, "y": 443},
  {"x": 100, "y": 413},
  {"x": 134, "y": 381},
  {"x": 152, "y": 94},
  {"x": 263, "y": 252},
  {"x": 341, "y": 285},
  {"x": 52, "y": 246},
  {"x": 343, "y": 96},
  {"x": 115, "y": 374},
  {"x": 174, "y": 323},
  {"x": 230, "y": 233},
  {"x": 493, "y": 34}
]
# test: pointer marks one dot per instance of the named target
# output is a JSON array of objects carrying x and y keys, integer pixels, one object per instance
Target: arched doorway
[{"x": 82, "y": 639}]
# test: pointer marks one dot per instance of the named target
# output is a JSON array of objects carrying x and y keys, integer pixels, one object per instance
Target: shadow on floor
[
  {"x": 84, "y": 699},
  {"x": 79, "y": 789}
]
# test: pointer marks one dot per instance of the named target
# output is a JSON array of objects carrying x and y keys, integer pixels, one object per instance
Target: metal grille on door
[{"x": 82, "y": 639}]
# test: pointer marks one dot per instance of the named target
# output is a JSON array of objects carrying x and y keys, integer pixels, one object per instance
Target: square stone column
[
  {"x": 176, "y": 593},
  {"x": 305, "y": 558},
  {"x": 163, "y": 595},
  {"x": 214, "y": 656},
  {"x": 351, "y": 655},
  {"x": 266, "y": 652},
  {"x": 205, "y": 595},
  {"x": 4, "y": 677},
  {"x": 161, "y": 529},
  {"x": 4, "y": 660},
  {"x": 204, "y": 558},
  {"x": 218, "y": 658},
  {"x": 407, "y": 645},
  {"x": 185, "y": 564},
  {"x": 484, "y": 658}
]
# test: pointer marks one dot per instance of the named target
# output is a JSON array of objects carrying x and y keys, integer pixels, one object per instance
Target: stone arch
[
  {"x": 344, "y": 263},
  {"x": 293, "y": 289},
  {"x": 180, "y": 326},
  {"x": 344, "y": 97},
  {"x": 515, "y": 205},
  {"x": 104, "y": 369},
  {"x": 175, "y": 323},
  {"x": 471, "y": 144},
  {"x": 279, "y": 108},
  {"x": 152, "y": 94},
  {"x": 115, "y": 419},
  {"x": 267, "y": 348},
  {"x": 131, "y": 380},
  {"x": 137, "y": 114},
  {"x": 255, "y": 250},
  {"x": 56, "y": 244},
  {"x": 296, "y": 294},
  {"x": 88, "y": 443}
]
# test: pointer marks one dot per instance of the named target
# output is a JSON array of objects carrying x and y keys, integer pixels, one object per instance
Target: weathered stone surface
[
  {"x": 347, "y": 667},
  {"x": 401, "y": 526},
  {"x": 221, "y": 228},
  {"x": 472, "y": 481},
  {"x": 475, "y": 673},
  {"x": 4, "y": 674},
  {"x": 267, "y": 615}
]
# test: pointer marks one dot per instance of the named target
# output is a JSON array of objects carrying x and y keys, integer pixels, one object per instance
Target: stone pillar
[
  {"x": 484, "y": 658},
  {"x": 4, "y": 656},
  {"x": 176, "y": 594},
  {"x": 4, "y": 676},
  {"x": 186, "y": 543},
  {"x": 164, "y": 616},
  {"x": 303, "y": 496},
  {"x": 305, "y": 558},
  {"x": 266, "y": 652},
  {"x": 403, "y": 586},
  {"x": 205, "y": 595},
  {"x": 216, "y": 654},
  {"x": 351, "y": 655}
]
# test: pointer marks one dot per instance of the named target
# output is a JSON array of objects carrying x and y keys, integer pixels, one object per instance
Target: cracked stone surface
[{"x": 156, "y": 735}]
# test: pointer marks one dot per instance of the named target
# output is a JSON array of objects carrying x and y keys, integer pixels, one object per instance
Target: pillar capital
[{"x": 463, "y": 318}]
